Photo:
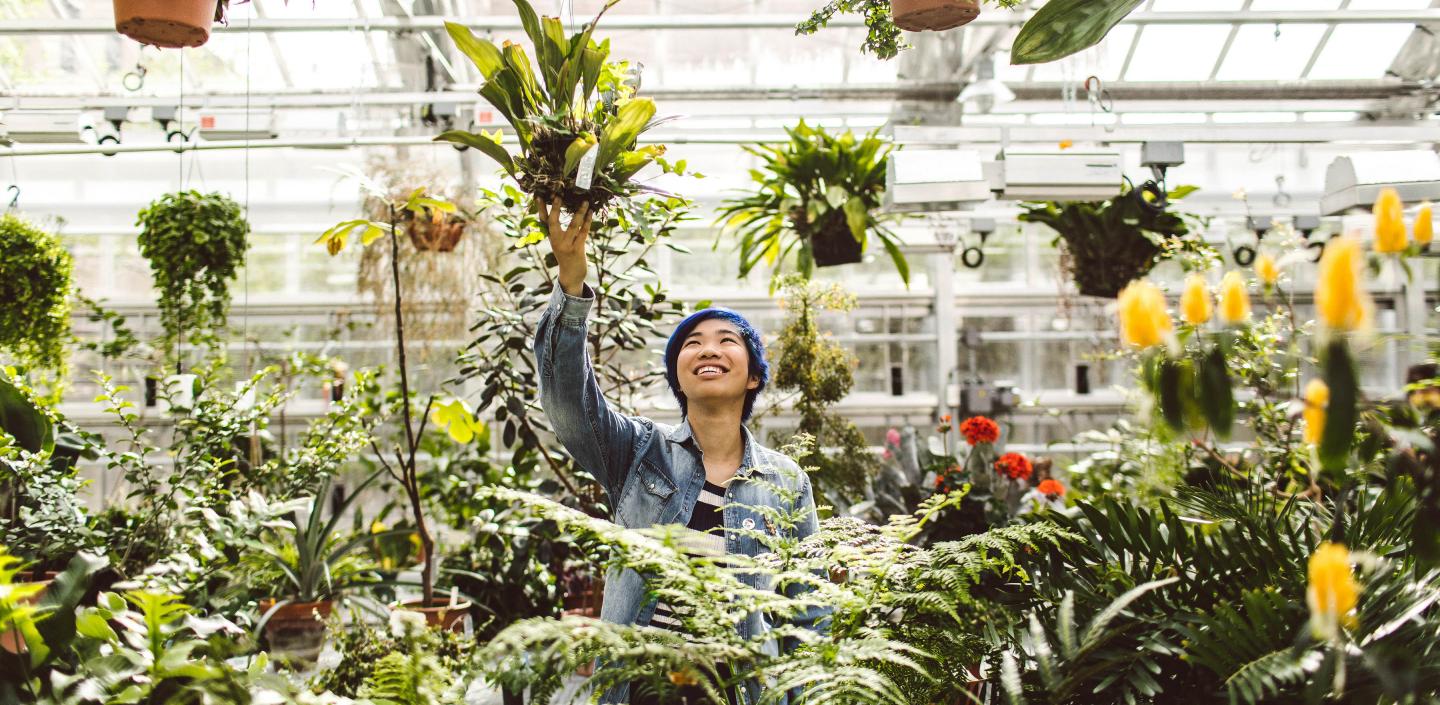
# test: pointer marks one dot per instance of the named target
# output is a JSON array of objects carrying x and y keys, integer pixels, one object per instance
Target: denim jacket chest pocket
[{"x": 646, "y": 495}]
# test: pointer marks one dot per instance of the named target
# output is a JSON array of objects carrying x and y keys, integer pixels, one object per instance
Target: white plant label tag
[{"x": 585, "y": 175}]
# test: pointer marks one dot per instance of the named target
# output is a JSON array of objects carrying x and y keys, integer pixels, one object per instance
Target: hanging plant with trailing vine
[
  {"x": 195, "y": 244},
  {"x": 34, "y": 294}
]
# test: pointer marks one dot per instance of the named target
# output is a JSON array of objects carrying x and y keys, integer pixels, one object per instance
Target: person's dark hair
[{"x": 759, "y": 368}]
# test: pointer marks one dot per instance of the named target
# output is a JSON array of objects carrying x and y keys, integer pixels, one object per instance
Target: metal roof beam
[{"x": 731, "y": 22}]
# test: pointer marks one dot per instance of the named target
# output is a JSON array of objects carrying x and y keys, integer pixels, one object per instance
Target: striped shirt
[{"x": 701, "y": 537}]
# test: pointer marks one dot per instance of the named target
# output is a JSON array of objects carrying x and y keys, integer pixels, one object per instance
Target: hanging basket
[
  {"x": 438, "y": 235},
  {"x": 833, "y": 243},
  {"x": 169, "y": 24},
  {"x": 1104, "y": 273},
  {"x": 937, "y": 15}
]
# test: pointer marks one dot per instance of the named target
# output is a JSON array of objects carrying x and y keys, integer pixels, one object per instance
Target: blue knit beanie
[{"x": 759, "y": 368}]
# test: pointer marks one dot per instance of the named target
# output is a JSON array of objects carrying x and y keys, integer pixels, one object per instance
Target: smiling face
[{"x": 714, "y": 364}]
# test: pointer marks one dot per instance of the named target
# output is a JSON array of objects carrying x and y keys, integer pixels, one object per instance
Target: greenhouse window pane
[
  {"x": 1361, "y": 51},
  {"x": 1265, "y": 53},
  {"x": 1177, "y": 53},
  {"x": 1389, "y": 4},
  {"x": 1295, "y": 5},
  {"x": 1196, "y": 5}
]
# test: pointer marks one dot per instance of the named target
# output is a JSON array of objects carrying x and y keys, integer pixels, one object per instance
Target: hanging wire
[{"x": 245, "y": 282}]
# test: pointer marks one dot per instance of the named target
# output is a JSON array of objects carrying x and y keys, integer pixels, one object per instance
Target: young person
[{"x": 696, "y": 474}]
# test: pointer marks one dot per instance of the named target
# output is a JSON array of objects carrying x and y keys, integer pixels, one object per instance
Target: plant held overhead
[{"x": 575, "y": 114}]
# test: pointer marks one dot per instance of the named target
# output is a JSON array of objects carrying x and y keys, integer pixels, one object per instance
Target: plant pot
[
  {"x": 1104, "y": 274},
  {"x": 441, "y": 235},
  {"x": 10, "y": 639},
  {"x": 297, "y": 630},
  {"x": 833, "y": 244},
  {"x": 920, "y": 15},
  {"x": 585, "y": 601},
  {"x": 169, "y": 24},
  {"x": 441, "y": 613}
]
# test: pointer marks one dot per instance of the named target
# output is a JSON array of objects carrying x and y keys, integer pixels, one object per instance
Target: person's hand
[{"x": 568, "y": 244}]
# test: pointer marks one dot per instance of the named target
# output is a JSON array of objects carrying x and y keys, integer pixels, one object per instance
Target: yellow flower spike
[
  {"x": 1390, "y": 233},
  {"x": 1234, "y": 299},
  {"x": 1195, "y": 306},
  {"x": 1144, "y": 322},
  {"x": 377, "y": 527},
  {"x": 1424, "y": 225},
  {"x": 1317, "y": 397},
  {"x": 1333, "y": 592},
  {"x": 1267, "y": 270},
  {"x": 1341, "y": 302}
]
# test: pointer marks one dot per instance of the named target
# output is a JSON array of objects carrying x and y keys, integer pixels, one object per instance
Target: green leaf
[
  {"x": 1342, "y": 415},
  {"x": 488, "y": 145},
  {"x": 93, "y": 626},
  {"x": 575, "y": 152},
  {"x": 1215, "y": 393},
  {"x": 531, "y": 22},
  {"x": 31, "y": 428},
  {"x": 482, "y": 52},
  {"x": 857, "y": 216},
  {"x": 622, "y": 131},
  {"x": 1064, "y": 27},
  {"x": 1170, "y": 391}
]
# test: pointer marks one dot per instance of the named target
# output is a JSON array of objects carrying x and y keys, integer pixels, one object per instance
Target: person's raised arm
[{"x": 600, "y": 439}]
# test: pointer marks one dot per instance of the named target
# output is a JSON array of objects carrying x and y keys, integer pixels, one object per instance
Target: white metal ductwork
[
  {"x": 919, "y": 180},
  {"x": 1054, "y": 175},
  {"x": 1355, "y": 180}
]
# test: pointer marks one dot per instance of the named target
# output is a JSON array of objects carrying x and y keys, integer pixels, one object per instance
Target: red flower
[
  {"x": 1051, "y": 488},
  {"x": 978, "y": 429},
  {"x": 1014, "y": 466}
]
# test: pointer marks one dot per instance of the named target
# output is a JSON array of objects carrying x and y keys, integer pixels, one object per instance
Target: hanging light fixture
[{"x": 985, "y": 92}]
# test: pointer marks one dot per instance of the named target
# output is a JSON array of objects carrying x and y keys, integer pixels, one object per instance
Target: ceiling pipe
[
  {"x": 928, "y": 91},
  {"x": 1396, "y": 133}
]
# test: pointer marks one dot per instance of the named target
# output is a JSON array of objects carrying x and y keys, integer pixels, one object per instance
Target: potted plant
[
  {"x": 195, "y": 243},
  {"x": 42, "y": 518},
  {"x": 1057, "y": 30},
  {"x": 884, "y": 19},
  {"x": 575, "y": 115},
  {"x": 402, "y": 465},
  {"x": 34, "y": 294},
  {"x": 816, "y": 201},
  {"x": 316, "y": 564},
  {"x": 1110, "y": 243},
  {"x": 170, "y": 24}
]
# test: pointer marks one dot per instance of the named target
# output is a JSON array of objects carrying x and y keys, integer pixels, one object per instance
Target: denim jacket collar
[{"x": 683, "y": 434}]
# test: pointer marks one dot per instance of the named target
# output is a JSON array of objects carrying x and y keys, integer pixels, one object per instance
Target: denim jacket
[{"x": 651, "y": 472}]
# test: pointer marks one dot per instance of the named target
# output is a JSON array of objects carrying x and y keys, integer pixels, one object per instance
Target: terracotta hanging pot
[
  {"x": 168, "y": 24},
  {"x": 920, "y": 15},
  {"x": 441, "y": 234}
]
